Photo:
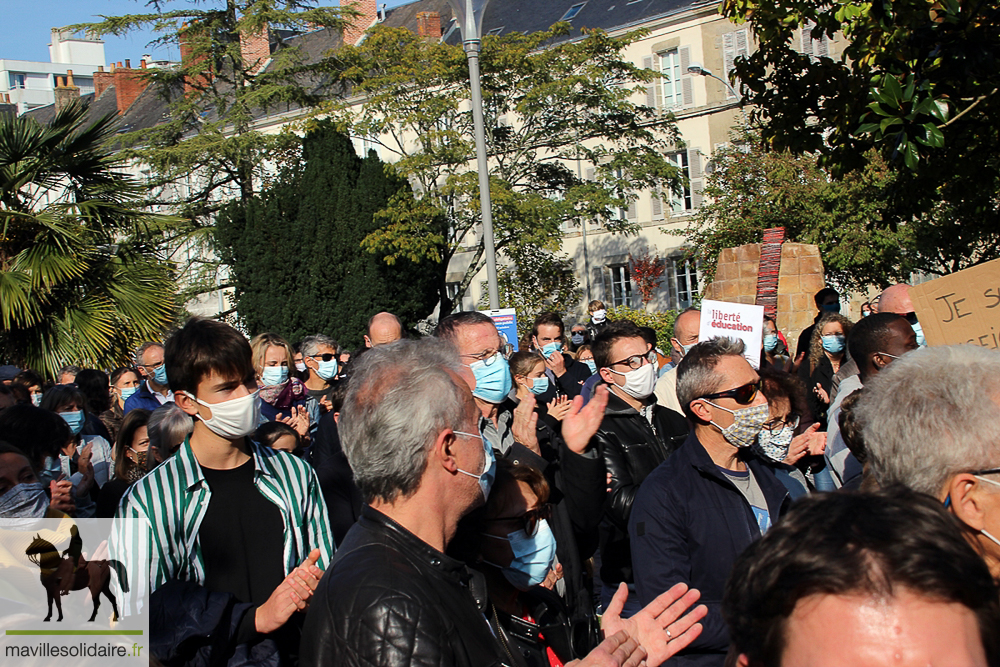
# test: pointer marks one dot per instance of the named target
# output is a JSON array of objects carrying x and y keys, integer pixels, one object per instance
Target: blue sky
[{"x": 29, "y": 22}]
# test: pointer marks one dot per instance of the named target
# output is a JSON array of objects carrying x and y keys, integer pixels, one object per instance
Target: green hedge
[{"x": 661, "y": 321}]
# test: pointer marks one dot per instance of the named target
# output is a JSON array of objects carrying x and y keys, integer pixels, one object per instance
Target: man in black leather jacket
[
  {"x": 635, "y": 436},
  {"x": 391, "y": 596}
]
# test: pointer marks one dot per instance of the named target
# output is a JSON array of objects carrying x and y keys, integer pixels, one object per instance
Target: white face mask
[
  {"x": 232, "y": 419},
  {"x": 599, "y": 315},
  {"x": 639, "y": 383}
]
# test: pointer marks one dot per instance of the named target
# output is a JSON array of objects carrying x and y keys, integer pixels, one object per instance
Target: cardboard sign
[
  {"x": 506, "y": 321},
  {"x": 741, "y": 321},
  {"x": 963, "y": 307}
]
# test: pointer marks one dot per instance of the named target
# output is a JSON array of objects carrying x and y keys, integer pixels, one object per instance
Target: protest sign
[
  {"x": 963, "y": 307},
  {"x": 742, "y": 321},
  {"x": 506, "y": 321}
]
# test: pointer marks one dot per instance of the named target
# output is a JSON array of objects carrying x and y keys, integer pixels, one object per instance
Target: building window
[
  {"x": 17, "y": 80},
  {"x": 670, "y": 66},
  {"x": 682, "y": 202},
  {"x": 451, "y": 289},
  {"x": 685, "y": 282},
  {"x": 572, "y": 11},
  {"x": 814, "y": 48},
  {"x": 621, "y": 285}
]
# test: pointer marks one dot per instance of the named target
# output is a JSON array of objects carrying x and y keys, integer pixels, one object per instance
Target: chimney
[
  {"x": 429, "y": 25},
  {"x": 188, "y": 35},
  {"x": 359, "y": 26},
  {"x": 129, "y": 84},
  {"x": 255, "y": 49},
  {"x": 102, "y": 81},
  {"x": 66, "y": 92}
]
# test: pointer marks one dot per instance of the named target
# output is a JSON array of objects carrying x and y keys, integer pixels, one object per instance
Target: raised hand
[
  {"x": 582, "y": 421},
  {"x": 618, "y": 650},
  {"x": 291, "y": 595},
  {"x": 525, "y": 426},
  {"x": 661, "y": 627},
  {"x": 805, "y": 443},
  {"x": 297, "y": 419},
  {"x": 556, "y": 363},
  {"x": 559, "y": 406}
]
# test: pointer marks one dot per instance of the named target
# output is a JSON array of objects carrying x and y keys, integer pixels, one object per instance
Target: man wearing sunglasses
[
  {"x": 319, "y": 354},
  {"x": 712, "y": 498},
  {"x": 636, "y": 435}
]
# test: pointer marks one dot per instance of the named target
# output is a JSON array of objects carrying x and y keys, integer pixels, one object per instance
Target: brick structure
[
  {"x": 129, "y": 84},
  {"x": 800, "y": 276},
  {"x": 189, "y": 34},
  {"x": 358, "y": 26},
  {"x": 102, "y": 81},
  {"x": 66, "y": 92},
  {"x": 429, "y": 25},
  {"x": 255, "y": 49}
]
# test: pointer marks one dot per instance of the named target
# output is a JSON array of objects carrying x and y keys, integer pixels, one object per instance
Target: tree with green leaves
[
  {"x": 206, "y": 152},
  {"x": 751, "y": 189},
  {"x": 535, "y": 281},
  {"x": 294, "y": 250},
  {"x": 553, "y": 108},
  {"x": 916, "y": 87},
  {"x": 80, "y": 280}
]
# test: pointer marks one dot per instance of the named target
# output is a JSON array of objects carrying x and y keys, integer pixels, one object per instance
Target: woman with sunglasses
[{"x": 510, "y": 542}]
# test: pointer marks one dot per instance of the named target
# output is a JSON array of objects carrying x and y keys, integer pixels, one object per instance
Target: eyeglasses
[
  {"x": 489, "y": 357},
  {"x": 530, "y": 519},
  {"x": 792, "y": 421},
  {"x": 988, "y": 471},
  {"x": 743, "y": 395},
  {"x": 637, "y": 360},
  {"x": 323, "y": 357},
  {"x": 151, "y": 367}
]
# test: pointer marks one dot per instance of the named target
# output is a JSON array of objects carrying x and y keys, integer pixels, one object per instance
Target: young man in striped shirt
[{"x": 236, "y": 534}]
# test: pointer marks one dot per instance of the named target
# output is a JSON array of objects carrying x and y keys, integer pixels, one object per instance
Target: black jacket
[
  {"x": 632, "y": 449},
  {"x": 570, "y": 383},
  {"x": 390, "y": 599},
  {"x": 689, "y": 524},
  {"x": 343, "y": 498}
]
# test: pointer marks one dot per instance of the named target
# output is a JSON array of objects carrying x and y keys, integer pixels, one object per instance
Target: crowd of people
[{"x": 590, "y": 498}]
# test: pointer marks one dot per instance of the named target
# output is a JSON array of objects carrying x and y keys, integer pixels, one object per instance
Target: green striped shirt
[{"x": 168, "y": 506}]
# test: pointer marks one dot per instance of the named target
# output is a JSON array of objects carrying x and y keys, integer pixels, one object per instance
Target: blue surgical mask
[
  {"x": 577, "y": 338},
  {"x": 51, "y": 470},
  {"x": 24, "y": 501},
  {"x": 272, "y": 375},
  {"x": 919, "y": 330},
  {"x": 834, "y": 343},
  {"x": 551, "y": 348},
  {"x": 770, "y": 342},
  {"x": 533, "y": 556},
  {"x": 127, "y": 392},
  {"x": 539, "y": 385},
  {"x": 74, "y": 419},
  {"x": 327, "y": 370},
  {"x": 493, "y": 381},
  {"x": 160, "y": 375},
  {"x": 36, "y": 400},
  {"x": 489, "y": 472},
  {"x": 591, "y": 364},
  {"x": 831, "y": 307}
]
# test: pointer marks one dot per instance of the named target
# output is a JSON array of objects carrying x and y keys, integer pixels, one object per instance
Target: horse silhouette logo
[{"x": 62, "y": 573}]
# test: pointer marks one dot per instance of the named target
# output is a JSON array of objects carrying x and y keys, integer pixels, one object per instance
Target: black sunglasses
[
  {"x": 743, "y": 395},
  {"x": 530, "y": 519},
  {"x": 911, "y": 317},
  {"x": 324, "y": 357}
]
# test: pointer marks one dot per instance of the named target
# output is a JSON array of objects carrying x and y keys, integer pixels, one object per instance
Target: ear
[
  {"x": 368, "y": 342},
  {"x": 444, "y": 450},
  {"x": 742, "y": 660},
  {"x": 606, "y": 375},
  {"x": 336, "y": 418},
  {"x": 186, "y": 403},
  {"x": 966, "y": 492},
  {"x": 701, "y": 410}
]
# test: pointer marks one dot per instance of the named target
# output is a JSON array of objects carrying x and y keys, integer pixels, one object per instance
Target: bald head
[
  {"x": 686, "y": 328},
  {"x": 383, "y": 328},
  {"x": 896, "y": 299}
]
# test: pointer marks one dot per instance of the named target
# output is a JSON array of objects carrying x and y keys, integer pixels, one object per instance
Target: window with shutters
[
  {"x": 734, "y": 44},
  {"x": 680, "y": 202},
  {"x": 620, "y": 282},
  {"x": 656, "y": 204},
  {"x": 814, "y": 48},
  {"x": 670, "y": 67},
  {"x": 632, "y": 212},
  {"x": 685, "y": 273}
]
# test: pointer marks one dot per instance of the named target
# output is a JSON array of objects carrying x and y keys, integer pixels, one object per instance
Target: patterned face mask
[
  {"x": 746, "y": 426},
  {"x": 774, "y": 444}
]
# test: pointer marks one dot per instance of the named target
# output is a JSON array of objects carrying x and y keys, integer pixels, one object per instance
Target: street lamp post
[
  {"x": 696, "y": 68},
  {"x": 469, "y": 16}
]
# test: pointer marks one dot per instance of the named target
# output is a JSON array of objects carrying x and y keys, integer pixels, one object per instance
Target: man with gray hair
[
  {"x": 701, "y": 507},
  {"x": 931, "y": 422},
  {"x": 391, "y": 595},
  {"x": 154, "y": 390}
]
